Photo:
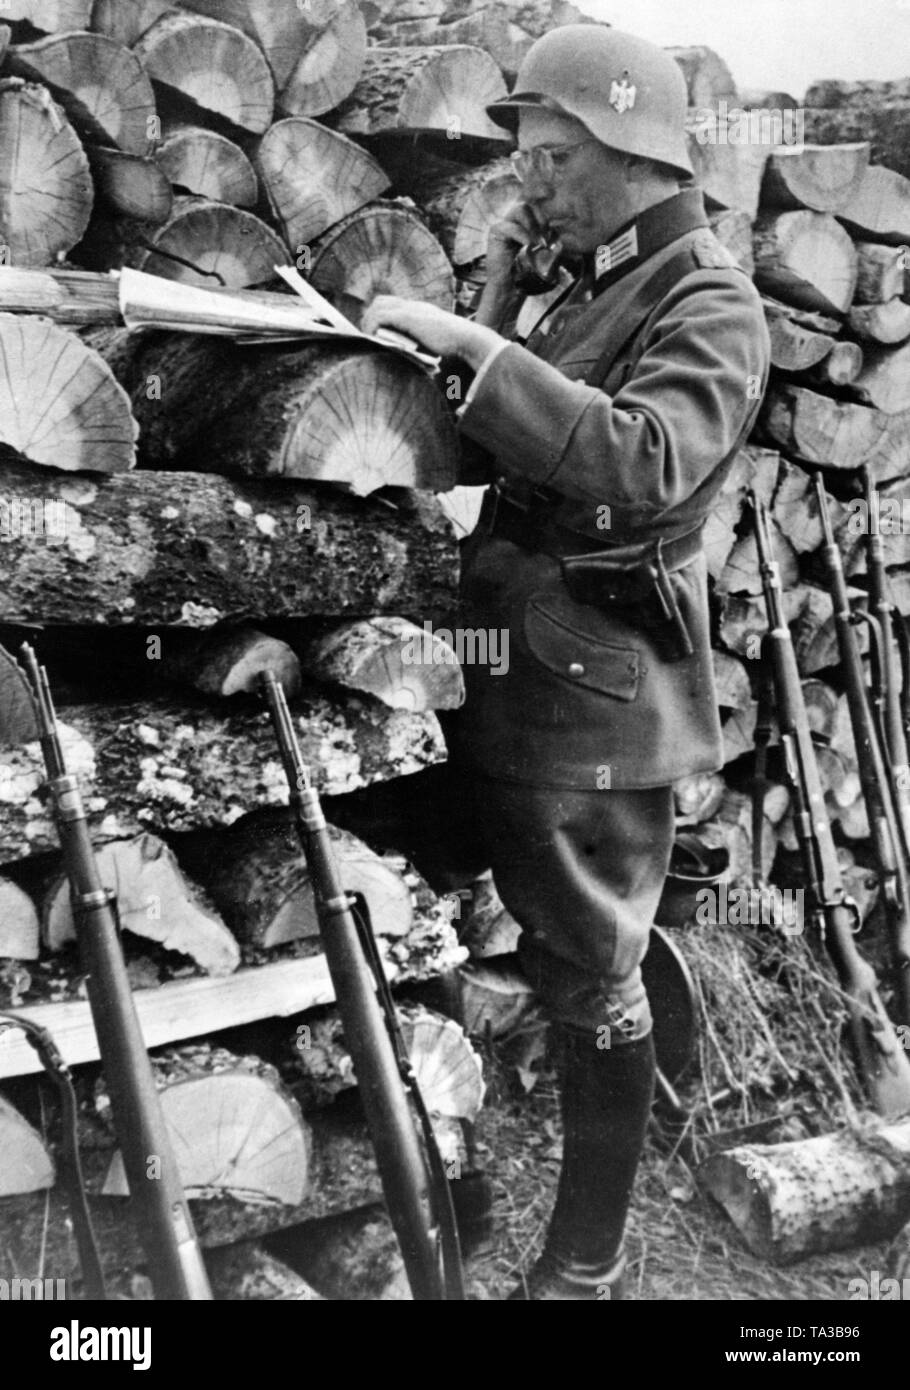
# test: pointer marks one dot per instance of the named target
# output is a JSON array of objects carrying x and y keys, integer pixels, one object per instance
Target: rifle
[
  {"x": 890, "y": 689},
  {"x": 162, "y": 1214},
  {"x": 416, "y": 1187},
  {"x": 884, "y": 821},
  {"x": 882, "y": 1062}
]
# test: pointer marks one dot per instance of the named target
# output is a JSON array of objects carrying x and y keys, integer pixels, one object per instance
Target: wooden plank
[{"x": 182, "y": 1009}]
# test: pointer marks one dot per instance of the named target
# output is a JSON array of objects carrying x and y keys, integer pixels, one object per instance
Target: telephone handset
[{"x": 536, "y": 267}]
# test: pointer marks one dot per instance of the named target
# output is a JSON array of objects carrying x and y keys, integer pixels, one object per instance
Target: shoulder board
[{"x": 710, "y": 254}]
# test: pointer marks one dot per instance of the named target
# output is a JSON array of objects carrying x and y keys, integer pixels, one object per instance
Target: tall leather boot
[{"x": 606, "y": 1101}]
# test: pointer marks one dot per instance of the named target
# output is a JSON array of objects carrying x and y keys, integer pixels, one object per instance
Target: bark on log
[
  {"x": 402, "y": 665},
  {"x": 881, "y": 272},
  {"x": 50, "y": 16},
  {"x": 192, "y": 550},
  {"x": 884, "y": 381},
  {"x": 211, "y": 64},
  {"x": 246, "y": 1272},
  {"x": 315, "y": 51},
  {"x": 806, "y": 259},
  {"x": 230, "y": 661},
  {"x": 793, "y": 347},
  {"x": 261, "y": 884},
  {"x": 880, "y": 209},
  {"x": 445, "y": 89},
  {"x": 821, "y": 178},
  {"x": 202, "y": 243},
  {"x": 353, "y": 1257},
  {"x": 60, "y": 405},
  {"x": 102, "y": 87},
  {"x": 835, "y": 93},
  {"x": 815, "y": 1195},
  {"x": 172, "y": 767},
  {"x": 708, "y": 79},
  {"x": 819, "y": 430},
  {"x": 46, "y": 193},
  {"x": 130, "y": 185},
  {"x": 314, "y": 178},
  {"x": 154, "y": 901},
  {"x": 461, "y": 209},
  {"x": 888, "y": 323},
  {"x": 334, "y": 414},
  {"x": 382, "y": 249},
  {"x": 887, "y": 129},
  {"x": 27, "y": 1166},
  {"x": 235, "y": 1127},
  {"x": 202, "y": 162},
  {"x": 19, "y": 931}
]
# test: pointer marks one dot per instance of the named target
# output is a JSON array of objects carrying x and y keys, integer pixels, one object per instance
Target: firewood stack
[{"x": 180, "y": 512}]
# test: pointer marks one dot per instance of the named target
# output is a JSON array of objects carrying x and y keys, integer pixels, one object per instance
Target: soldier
[{"x": 608, "y": 418}]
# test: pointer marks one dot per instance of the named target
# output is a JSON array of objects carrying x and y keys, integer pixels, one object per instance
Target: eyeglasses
[{"x": 545, "y": 160}]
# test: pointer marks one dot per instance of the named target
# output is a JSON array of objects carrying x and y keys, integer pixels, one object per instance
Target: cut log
[
  {"x": 882, "y": 323},
  {"x": 314, "y": 178},
  {"x": 819, "y": 430},
  {"x": 19, "y": 931},
  {"x": 102, "y": 87},
  {"x": 315, "y": 50},
  {"x": 841, "y": 367},
  {"x": 495, "y": 997},
  {"x": 880, "y": 209},
  {"x": 246, "y": 1272},
  {"x": 165, "y": 765},
  {"x": 404, "y": 666},
  {"x": 381, "y": 249},
  {"x": 50, "y": 16},
  {"x": 834, "y": 92},
  {"x": 821, "y": 178},
  {"x": 743, "y": 621},
  {"x": 154, "y": 901},
  {"x": 884, "y": 381},
  {"x": 750, "y": 97},
  {"x": 488, "y": 929},
  {"x": 230, "y": 661},
  {"x": 334, "y": 414},
  {"x": 262, "y": 886},
  {"x": 60, "y": 405},
  {"x": 209, "y": 165},
  {"x": 732, "y": 687},
  {"x": 742, "y": 573},
  {"x": 6, "y": 35},
  {"x": 708, "y": 79},
  {"x": 131, "y": 186},
  {"x": 235, "y": 1128},
  {"x": 211, "y": 64},
  {"x": 728, "y": 166},
  {"x": 134, "y": 553},
  {"x": 881, "y": 272},
  {"x": 445, "y": 89},
  {"x": 201, "y": 243},
  {"x": 805, "y": 258},
  {"x": 697, "y": 798},
  {"x": 731, "y": 829},
  {"x": 448, "y": 1070},
  {"x": 126, "y": 20},
  {"x": 754, "y": 468},
  {"x": 793, "y": 347},
  {"x": 792, "y": 1200},
  {"x": 490, "y": 27},
  {"x": 27, "y": 1166},
  {"x": 733, "y": 229},
  {"x": 46, "y": 193},
  {"x": 461, "y": 209},
  {"x": 796, "y": 510}
]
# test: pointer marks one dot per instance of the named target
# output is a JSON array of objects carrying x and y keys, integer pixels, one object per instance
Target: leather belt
[{"x": 533, "y": 528}]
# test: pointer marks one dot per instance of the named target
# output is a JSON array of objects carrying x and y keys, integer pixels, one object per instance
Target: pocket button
[{"x": 576, "y": 670}]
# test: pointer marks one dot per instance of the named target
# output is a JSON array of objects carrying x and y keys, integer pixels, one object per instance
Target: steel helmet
[{"x": 629, "y": 93}]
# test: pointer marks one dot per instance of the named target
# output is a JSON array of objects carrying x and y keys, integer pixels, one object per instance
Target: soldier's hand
[
  {"x": 434, "y": 329},
  {"x": 519, "y": 227}
]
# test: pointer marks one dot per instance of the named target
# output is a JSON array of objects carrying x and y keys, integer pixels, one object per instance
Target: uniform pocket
[{"x": 556, "y": 635}]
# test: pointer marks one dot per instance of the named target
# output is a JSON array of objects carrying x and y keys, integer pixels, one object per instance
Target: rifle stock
[
  {"x": 425, "y": 1229},
  {"x": 882, "y": 1062},
  {"x": 156, "y": 1193}
]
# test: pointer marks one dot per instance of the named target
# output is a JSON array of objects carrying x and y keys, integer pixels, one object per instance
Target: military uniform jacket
[{"x": 587, "y": 698}]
